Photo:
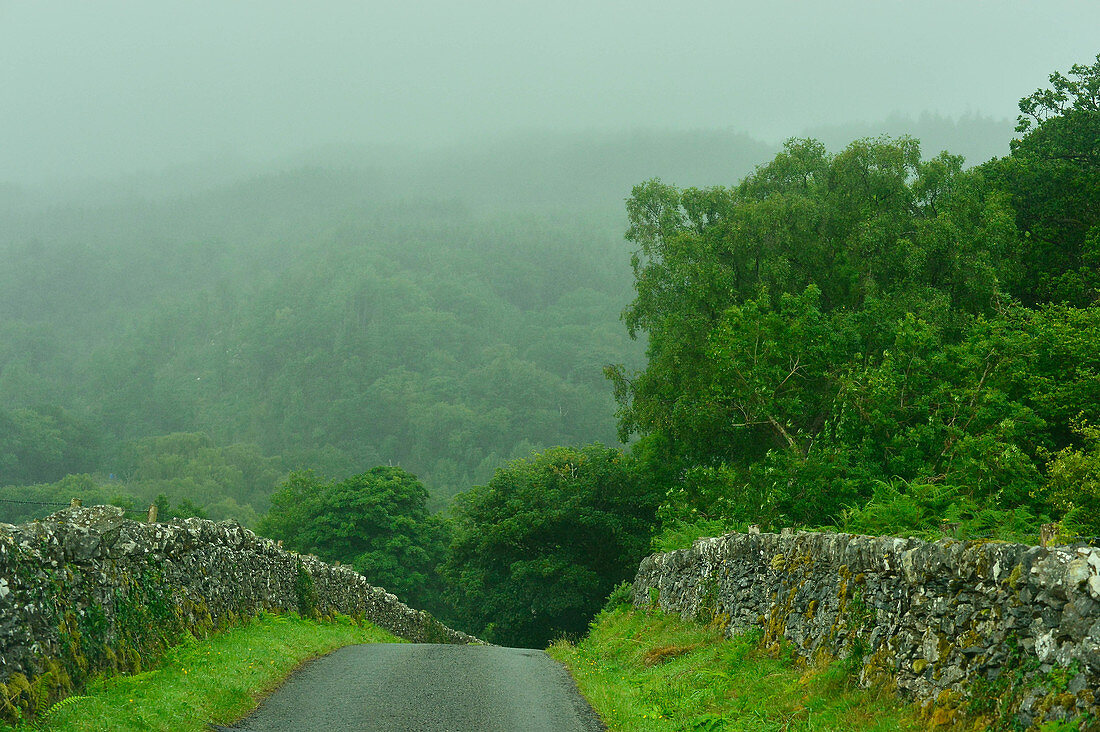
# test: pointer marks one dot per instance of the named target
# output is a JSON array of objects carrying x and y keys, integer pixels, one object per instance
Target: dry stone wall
[
  {"x": 1004, "y": 631},
  {"x": 87, "y": 589}
]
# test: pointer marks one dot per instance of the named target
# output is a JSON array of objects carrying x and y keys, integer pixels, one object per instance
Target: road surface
[{"x": 412, "y": 687}]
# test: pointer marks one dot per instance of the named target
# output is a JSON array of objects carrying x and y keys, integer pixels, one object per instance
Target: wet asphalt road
[{"x": 411, "y": 687}]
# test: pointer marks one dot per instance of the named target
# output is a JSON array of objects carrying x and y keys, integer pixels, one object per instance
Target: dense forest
[
  {"x": 444, "y": 319},
  {"x": 872, "y": 336}
]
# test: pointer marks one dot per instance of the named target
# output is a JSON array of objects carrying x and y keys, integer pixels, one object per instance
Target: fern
[
  {"x": 63, "y": 704},
  {"x": 41, "y": 696}
]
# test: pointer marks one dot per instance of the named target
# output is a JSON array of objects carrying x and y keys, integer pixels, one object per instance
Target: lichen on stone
[{"x": 947, "y": 623}]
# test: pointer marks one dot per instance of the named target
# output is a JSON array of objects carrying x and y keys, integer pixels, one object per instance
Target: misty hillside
[
  {"x": 443, "y": 346},
  {"x": 977, "y": 138},
  {"x": 444, "y": 313}
]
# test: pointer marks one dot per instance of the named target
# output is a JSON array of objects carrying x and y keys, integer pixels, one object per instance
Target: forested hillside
[
  {"x": 975, "y": 137},
  {"x": 442, "y": 314},
  {"x": 874, "y": 336},
  {"x": 445, "y": 345}
]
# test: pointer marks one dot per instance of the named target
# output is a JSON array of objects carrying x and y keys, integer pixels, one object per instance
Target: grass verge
[
  {"x": 651, "y": 671},
  {"x": 216, "y": 680}
]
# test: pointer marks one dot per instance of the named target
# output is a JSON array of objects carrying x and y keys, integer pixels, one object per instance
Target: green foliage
[
  {"x": 620, "y": 597},
  {"x": 537, "y": 550},
  {"x": 1053, "y": 179},
  {"x": 184, "y": 509},
  {"x": 231, "y": 481},
  {"x": 1073, "y": 482},
  {"x": 932, "y": 511},
  {"x": 43, "y": 445},
  {"x": 202, "y": 478},
  {"x": 376, "y": 521},
  {"x": 677, "y": 534},
  {"x": 835, "y": 338},
  {"x": 305, "y": 593},
  {"x": 769, "y": 307}
]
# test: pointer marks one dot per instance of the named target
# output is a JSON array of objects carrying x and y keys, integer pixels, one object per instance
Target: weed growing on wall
[
  {"x": 146, "y": 621},
  {"x": 988, "y": 701},
  {"x": 305, "y": 592}
]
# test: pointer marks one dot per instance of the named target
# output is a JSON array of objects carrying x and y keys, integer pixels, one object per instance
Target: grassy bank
[
  {"x": 217, "y": 680},
  {"x": 651, "y": 671}
]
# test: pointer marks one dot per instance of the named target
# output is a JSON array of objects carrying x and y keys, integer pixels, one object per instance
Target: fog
[{"x": 114, "y": 88}]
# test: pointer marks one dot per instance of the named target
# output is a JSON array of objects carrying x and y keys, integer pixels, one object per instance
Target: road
[{"x": 412, "y": 687}]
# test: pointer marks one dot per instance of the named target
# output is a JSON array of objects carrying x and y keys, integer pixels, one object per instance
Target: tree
[
  {"x": 376, "y": 521},
  {"x": 223, "y": 482},
  {"x": 184, "y": 509},
  {"x": 538, "y": 548},
  {"x": 763, "y": 302},
  {"x": 1053, "y": 180}
]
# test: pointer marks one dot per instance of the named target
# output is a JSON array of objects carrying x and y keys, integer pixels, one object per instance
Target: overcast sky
[{"x": 109, "y": 87}]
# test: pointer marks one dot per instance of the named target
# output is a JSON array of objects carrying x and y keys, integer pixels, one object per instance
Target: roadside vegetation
[
  {"x": 650, "y": 671},
  {"x": 217, "y": 680}
]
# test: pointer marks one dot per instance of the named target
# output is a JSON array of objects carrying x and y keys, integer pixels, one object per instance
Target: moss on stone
[{"x": 1015, "y": 575}]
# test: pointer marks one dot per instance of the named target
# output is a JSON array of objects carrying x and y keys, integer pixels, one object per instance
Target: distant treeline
[{"x": 425, "y": 338}]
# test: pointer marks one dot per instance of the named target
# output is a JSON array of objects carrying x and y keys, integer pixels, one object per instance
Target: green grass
[
  {"x": 651, "y": 671},
  {"x": 216, "y": 680}
]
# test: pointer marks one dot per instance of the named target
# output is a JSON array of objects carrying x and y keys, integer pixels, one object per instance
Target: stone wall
[
  {"x": 983, "y": 629},
  {"x": 87, "y": 589}
]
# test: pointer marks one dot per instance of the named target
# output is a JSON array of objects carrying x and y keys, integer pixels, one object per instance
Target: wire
[
  {"x": 63, "y": 505},
  {"x": 31, "y": 503}
]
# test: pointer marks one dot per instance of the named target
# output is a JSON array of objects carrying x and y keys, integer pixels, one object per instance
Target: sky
[{"x": 114, "y": 87}]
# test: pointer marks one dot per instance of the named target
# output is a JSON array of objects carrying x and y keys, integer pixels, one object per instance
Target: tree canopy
[
  {"x": 1053, "y": 179},
  {"x": 376, "y": 522},
  {"x": 538, "y": 548},
  {"x": 840, "y": 322}
]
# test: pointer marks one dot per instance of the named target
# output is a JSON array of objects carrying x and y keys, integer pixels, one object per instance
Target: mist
[{"x": 119, "y": 89}]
